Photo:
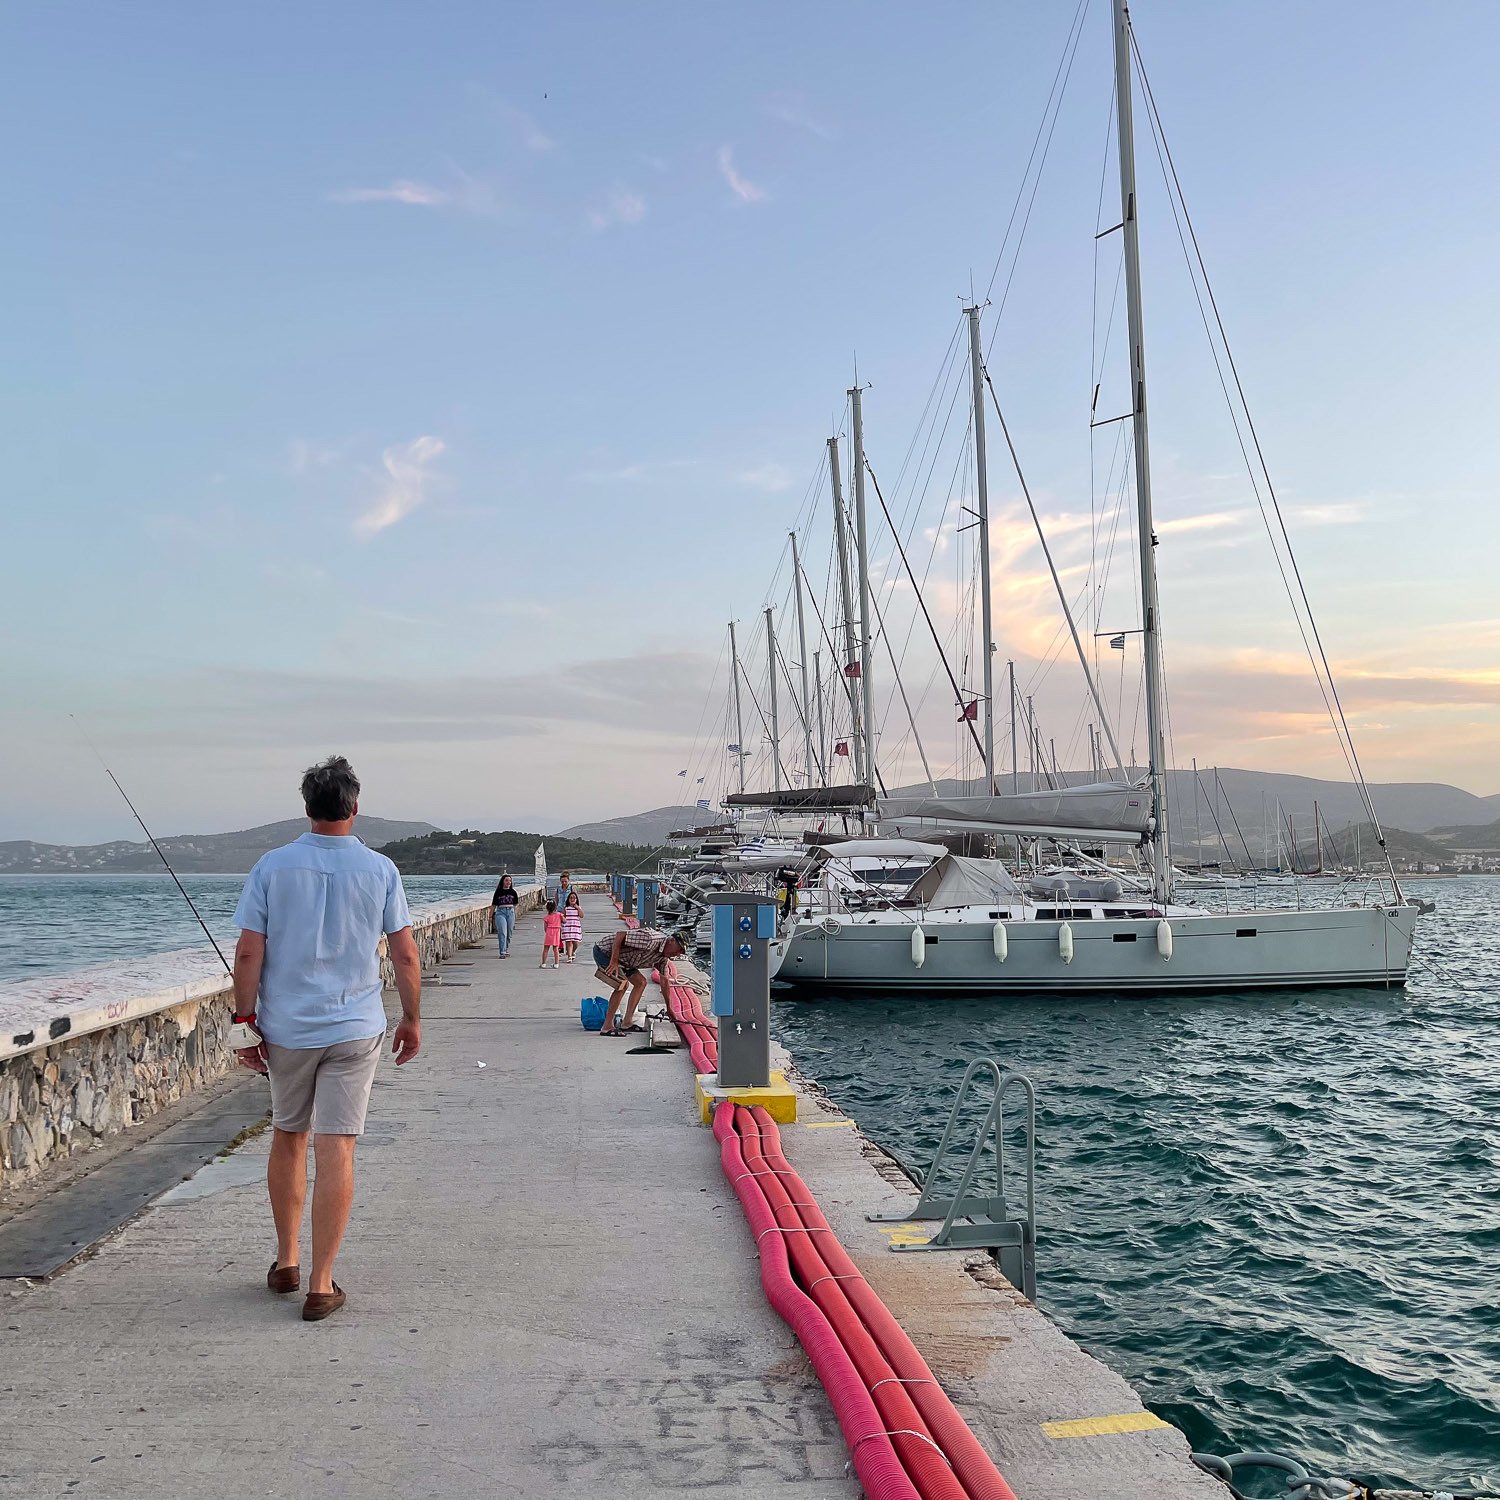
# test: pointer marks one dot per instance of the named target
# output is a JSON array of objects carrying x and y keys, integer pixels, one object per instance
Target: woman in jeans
[{"x": 504, "y": 902}]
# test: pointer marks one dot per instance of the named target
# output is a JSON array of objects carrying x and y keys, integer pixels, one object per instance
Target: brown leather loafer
[
  {"x": 318, "y": 1305},
  {"x": 283, "y": 1279}
]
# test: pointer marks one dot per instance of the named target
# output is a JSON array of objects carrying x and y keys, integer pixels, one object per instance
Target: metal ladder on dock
[{"x": 975, "y": 1220}]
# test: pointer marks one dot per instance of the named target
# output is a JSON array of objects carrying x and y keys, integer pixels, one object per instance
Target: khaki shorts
[{"x": 324, "y": 1089}]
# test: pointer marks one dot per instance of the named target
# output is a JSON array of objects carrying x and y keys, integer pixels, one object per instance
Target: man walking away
[
  {"x": 311, "y": 916},
  {"x": 625, "y": 961}
]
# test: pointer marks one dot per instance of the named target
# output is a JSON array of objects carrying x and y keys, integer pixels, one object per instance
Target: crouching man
[
  {"x": 307, "y": 979},
  {"x": 626, "y": 961}
]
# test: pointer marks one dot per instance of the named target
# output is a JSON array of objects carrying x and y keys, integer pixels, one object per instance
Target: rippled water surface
[
  {"x": 52, "y": 923},
  {"x": 1277, "y": 1217}
]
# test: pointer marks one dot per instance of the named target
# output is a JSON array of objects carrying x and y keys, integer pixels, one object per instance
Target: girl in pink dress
[
  {"x": 572, "y": 926},
  {"x": 551, "y": 935}
]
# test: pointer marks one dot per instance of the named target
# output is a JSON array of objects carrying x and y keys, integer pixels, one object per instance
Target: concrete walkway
[{"x": 552, "y": 1292}]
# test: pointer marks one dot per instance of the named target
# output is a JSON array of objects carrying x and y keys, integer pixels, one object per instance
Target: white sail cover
[
  {"x": 879, "y": 849},
  {"x": 956, "y": 881},
  {"x": 1104, "y": 809}
]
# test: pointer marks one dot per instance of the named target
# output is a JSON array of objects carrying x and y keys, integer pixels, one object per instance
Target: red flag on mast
[{"x": 970, "y": 713}]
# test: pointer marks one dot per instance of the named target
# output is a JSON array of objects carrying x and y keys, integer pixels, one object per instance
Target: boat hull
[{"x": 1364, "y": 946}]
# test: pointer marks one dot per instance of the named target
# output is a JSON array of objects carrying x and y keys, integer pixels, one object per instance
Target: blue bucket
[{"x": 591, "y": 1011}]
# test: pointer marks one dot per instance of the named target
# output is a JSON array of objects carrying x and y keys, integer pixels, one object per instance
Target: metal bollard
[{"x": 743, "y": 927}]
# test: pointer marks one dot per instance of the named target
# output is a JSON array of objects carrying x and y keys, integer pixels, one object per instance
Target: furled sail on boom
[{"x": 1109, "y": 809}]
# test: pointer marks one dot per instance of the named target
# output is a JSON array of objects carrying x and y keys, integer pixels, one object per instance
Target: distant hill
[
  {"x": 470, "y": 852},
  {"x": 190, "y": 853},
  {"x": 1470, "y": 836},
  {"x": 1406, "y": 849},
  {"x": 647, "y": 828}
]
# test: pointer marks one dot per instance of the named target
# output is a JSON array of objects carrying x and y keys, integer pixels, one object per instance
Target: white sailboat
[{"x": 971, "y": 926}]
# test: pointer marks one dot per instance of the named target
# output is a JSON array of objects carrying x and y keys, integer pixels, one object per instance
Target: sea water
[
  {"x": 1278, "y": 1216},
  {"x": 52, "y": 923}
]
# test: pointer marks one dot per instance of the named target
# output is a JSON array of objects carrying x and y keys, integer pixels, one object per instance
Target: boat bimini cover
[
  {"x": 957, "y": 881},
  {"x": 879, "y": 849},
  {"x": 1109, "y": 807}
]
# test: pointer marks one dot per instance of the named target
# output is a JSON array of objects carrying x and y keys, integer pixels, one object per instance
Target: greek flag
[
  {"x": 1117, "y": 642},
  {"x": 733, "y": 749}
]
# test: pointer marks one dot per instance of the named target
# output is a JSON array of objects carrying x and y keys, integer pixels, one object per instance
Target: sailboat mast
[
  {"x": 1197, "y": 823},
  {"x": 846, "y": 599},
  {"x": 775, "y": 728},
  {"x": 862, "y": 552},
  {"x": 739, "y": 723},
  {"x": 809, "y": 763},
  {"x": 1161, "y": 853},
  {"x": 1015, "y": 753},
  {"x": 822, "y": 721},
  {"x": 982, "y": 494}
]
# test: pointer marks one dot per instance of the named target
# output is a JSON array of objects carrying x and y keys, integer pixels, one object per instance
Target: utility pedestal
[
  {"x": 743, "y": 927},
  {"x": 646, "y": 891},
  {"x": 627, "y": 899}
]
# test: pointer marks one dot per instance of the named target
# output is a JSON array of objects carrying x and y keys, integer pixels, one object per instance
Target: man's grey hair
[{"x": 330, "y": 790}]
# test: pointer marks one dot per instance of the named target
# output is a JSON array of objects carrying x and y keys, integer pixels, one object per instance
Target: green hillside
[
  {"x": 1406, "y": 848},
  {"x": 471, "y": 852},
  {"x": 1471, "y": 835}
]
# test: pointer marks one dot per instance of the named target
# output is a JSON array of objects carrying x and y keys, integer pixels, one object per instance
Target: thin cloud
[
  {"x": 788, "y": 112},
  {"x": 772, "y": 478},
  {"x": 533, "y": 137},
  {"x": 305, "y": 457},
  {"x": 1215, "y": 520},
  {"x": 405, "y": 488},
  {"x": 1333, "y": 513},
  {"x": 403, "y": 190},
  {"x": 742, "y": 188},
  {"x": 462, "y": 193},
  {"x": 632, "y": 472},
  {"x": 621, "y": 207}
]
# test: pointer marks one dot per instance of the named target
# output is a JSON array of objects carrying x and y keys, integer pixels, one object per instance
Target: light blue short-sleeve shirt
[{"x": 322, "y": 903}]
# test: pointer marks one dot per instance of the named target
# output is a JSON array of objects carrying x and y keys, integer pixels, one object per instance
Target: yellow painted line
[
  {"x": 904, "y": 1234},
  {"x": 826, "y": 1124},
  {"x": 1127, "y": 1421}
]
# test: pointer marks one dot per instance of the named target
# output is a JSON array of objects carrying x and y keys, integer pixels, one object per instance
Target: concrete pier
[{"x": 552, "y": 1292}]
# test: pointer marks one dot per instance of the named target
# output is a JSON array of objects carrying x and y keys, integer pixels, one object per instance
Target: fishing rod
[{"x": 228, "y": 969}]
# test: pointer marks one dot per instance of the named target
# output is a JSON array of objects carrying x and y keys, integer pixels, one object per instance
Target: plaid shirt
[{"x": 644, "y": 948}]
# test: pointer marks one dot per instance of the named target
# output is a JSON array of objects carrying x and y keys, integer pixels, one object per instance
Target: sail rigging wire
[
  {"x": 922, "y": 604},
  {"x": 1053, "y": 107},
  {"x": 1015, "y": 459},
  {"x": 1336, "y": 707}
]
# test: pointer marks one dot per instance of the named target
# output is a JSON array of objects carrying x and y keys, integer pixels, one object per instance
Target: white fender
[
  {"x": 918, "y": 946},
  {"x": 1002, "y": 942},
  {"x": 1164, "y": 938},
  {"x": 1065, "y": 942}
]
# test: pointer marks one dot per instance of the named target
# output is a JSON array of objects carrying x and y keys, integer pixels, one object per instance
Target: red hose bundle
[
  {"x": 695, "y": 1028},
  {"x": 937, "y": 1456},
  {"x": 915, "y": 1445},
  {"x": 974, "y": 1467},
  {"x": 875, "y": 1461}
]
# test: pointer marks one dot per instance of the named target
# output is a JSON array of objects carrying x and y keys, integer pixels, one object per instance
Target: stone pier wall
[{"x": 87, "y": 1055}]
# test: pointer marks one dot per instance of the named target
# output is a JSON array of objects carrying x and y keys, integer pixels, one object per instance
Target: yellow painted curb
[
  {"x": 779, "y": 1100},
  {"x": 1128, "y": 1421}
]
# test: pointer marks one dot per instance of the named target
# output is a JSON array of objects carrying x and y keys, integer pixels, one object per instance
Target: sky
[{"x": 432, "y": 385}]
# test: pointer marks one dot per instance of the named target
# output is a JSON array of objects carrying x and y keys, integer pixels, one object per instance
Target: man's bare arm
[
  {"x": 249, "y": 960},
  {"x": 406, "y": 1042}
]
